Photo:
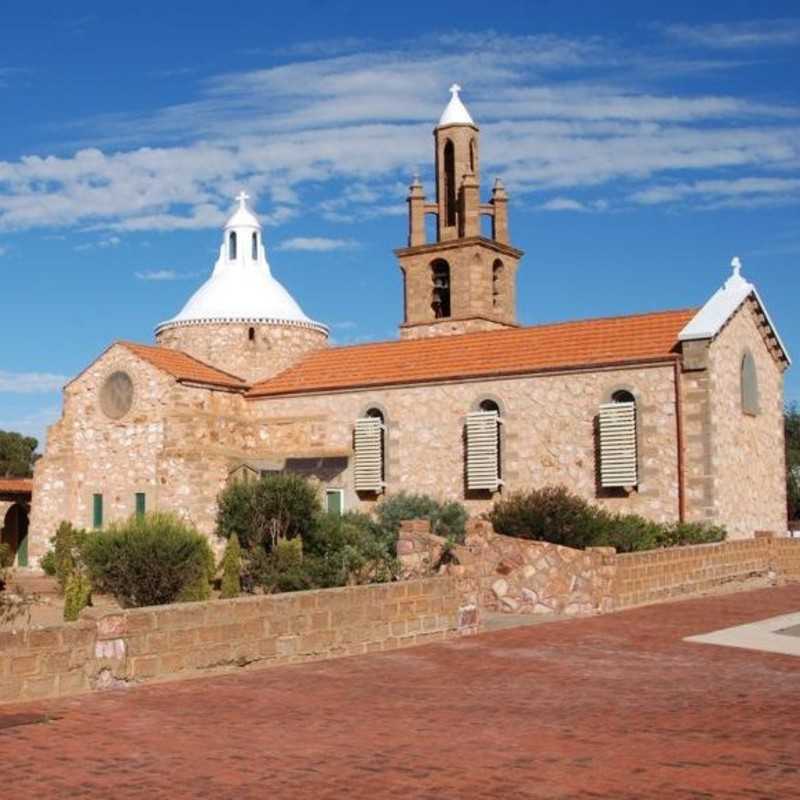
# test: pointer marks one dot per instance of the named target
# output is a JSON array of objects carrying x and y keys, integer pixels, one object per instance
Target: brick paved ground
[{"x": 610, "y": 707}]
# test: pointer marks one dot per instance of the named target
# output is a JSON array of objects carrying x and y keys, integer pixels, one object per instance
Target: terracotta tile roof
[
  {"x": 16, "y": 485},
  {"x": 184, "y": 367},
  {"x": 514, "y": 351}
]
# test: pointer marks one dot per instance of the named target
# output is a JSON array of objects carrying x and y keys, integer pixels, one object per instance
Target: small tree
[
  {"x": 447, "y": 519},
  {"x": 17, "y": 454},
  {"x": 77, "y": 595},
  {"x": 67, "y": 544},
  {"x": 231, "y": 569},
  {"x": 792, "y": 429}
]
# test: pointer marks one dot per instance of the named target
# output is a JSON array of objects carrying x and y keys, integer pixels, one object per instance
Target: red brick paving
[{"x": 609, "y": 707}]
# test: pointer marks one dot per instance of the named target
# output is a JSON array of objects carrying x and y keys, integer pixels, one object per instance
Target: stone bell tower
[{"x": 463, "y": 281}]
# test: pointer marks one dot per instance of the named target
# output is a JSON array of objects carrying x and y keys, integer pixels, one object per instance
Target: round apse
[{"x": 116, "y": 396}]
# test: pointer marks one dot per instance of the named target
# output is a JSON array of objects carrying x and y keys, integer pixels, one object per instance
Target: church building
[{"x": 675, "y": 415}]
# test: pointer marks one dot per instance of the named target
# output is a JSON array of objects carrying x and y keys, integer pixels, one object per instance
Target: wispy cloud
[
  {"x": 30, "y": 382},
  {"x": 316, "y": 244},
  {"x": 344, "y": 325},
  {"x": 111, "y": 241},
  {"x": 563, "y": 204},
  {"x": 739, "y": 35},
  {"x": 33, "y": 423},
  {"x": 556, "y": 115},
  {"x": 164, "y": 275},
  {"x": 751, "y": 192}
]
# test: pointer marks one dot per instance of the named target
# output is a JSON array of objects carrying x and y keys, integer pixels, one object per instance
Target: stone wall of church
[
  {"x": 229, "y": 346},
  {"x": 747, "y": 451},
  {"x": 89, "y": 453},
  {"x": 548, "y": 435}
]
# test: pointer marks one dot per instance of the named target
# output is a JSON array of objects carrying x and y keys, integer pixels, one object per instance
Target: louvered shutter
[
  {"x": 618, "y": 445},
  {"x": 368, "y": 445},
  {"x": 483, "y": 458}
]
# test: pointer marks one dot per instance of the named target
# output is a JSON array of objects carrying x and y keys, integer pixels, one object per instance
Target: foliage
[
  {"x": 261, "y": 513},
  {"x": 447, "y": 519},
  {"x": 6, "y": 558},
  {"x": 17, "y": 455},
  {"x": 281, "y": 569},
  {"x": 231, "y": 569},
  {"x": 77, "y": 595},
  {"x": 48, "y": 563},
  {"x": 67, "y": 545},
  {"x": 792, "y": 428},
  {"x": 553, "y": 514},
  {"x": 11, "y": 606},
  {"x": 150, "y": 559}
]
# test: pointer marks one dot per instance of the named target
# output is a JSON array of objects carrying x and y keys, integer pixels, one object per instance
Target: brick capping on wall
[
  {"x": 503, "y": 573},
  {"x": 110, "y": 650}
]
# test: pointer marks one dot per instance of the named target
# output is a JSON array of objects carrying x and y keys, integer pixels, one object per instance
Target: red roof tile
[
  {"x": 184, "y": 367},
  {"x": 16, "y": 485},
  {"x": 511, "y": 351}
]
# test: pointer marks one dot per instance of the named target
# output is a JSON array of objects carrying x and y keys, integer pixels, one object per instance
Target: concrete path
[{"x": 618, "y": 707}]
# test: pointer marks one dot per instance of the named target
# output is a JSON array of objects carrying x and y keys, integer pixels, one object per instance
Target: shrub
[
  {"x": 48, "y": 563},
  {"x": 151, "y": 559},
  {"x": 284, "y": 568},
  {"x": 6, "y": 559},
  {"x": 231, "y": 569},
  {"x": 261, "y": 513},
  {"x": 447, "y": 519},
  {"x": 77, "y": 595},
  {"x": 551, "y": 514},
  {"x": 67, "y": 548}
]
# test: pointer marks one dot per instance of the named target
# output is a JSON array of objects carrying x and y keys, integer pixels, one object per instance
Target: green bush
[
  {"x": 553, "y": 514},
  {"x": 265, "y": 511},
  {"x": 48, "y": 563},
  {"x": 284, "y": 568},
  {"x": 67, "y": 549},
  {"x": 447, "y": 519},
  {"x": 151, "y": 559},
  {"x": 231, "y": 569},
  {"x": 6, "y": 559},
  {"x": 77, "y": 595}
]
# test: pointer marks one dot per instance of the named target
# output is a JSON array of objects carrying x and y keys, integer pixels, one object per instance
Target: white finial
[
  {"x": 455, "y": 113},
  {"x": 455, "y": 89},
  {"x": 736, "y": 263},
  {"x": 242, "y": 197}
]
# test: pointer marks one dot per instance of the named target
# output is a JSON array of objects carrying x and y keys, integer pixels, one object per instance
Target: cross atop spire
[
  {"x": 455, "y": 89},
  {"x": 242, "y": 197},
  {"x": 455, "y": 112},
  {"x": 736, "y": 264}
]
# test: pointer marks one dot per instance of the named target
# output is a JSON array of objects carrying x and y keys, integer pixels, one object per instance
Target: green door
[{"x": 334, "y": 501}]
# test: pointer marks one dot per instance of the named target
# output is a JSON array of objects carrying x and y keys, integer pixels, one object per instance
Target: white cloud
[
  {"x": 355, "y": 126},
  {"x": 344, "y": 325},
  {"x": 164, "y": 275},
  {"x": 739, "y": 35},
  {"x": 316, "y": 244},
  {"x": 751, "y": 191},
  {"x": 562, "y": 204},
  {"x": 111, "y": 241},
  {"x": 34, "y": 423},
  {"x": 30, "y": 382}
]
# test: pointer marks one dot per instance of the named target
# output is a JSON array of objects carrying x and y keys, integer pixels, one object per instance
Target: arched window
[
  {"x": 449, "y": 184},
  {"x": 749, "y": 384},
  {"x": 251, "y": 334},
  {"x": 232, "y": 246},
  {"x": 497, "y": 282},
  {"x": 483, "y": 447},
  {"x": 440, "y": 292},
  {"x": 255, "y": 247},
  {"x": 472, "y": 156},
  {"x": 618, "y": 441},
  {"x": 369, "y": 449}
]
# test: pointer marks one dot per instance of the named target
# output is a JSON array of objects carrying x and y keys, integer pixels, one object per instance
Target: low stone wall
[
  {"x": 502, "y": 573},
  {"x": 184, "y": 640}
]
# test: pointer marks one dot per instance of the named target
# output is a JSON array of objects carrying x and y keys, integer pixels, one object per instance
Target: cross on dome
[
  {"x": 456, "y": 112},
  {"x": 455, "y": 89},
  {"x": 736, "y": 263},
  {"x": 242, "y": 197}
]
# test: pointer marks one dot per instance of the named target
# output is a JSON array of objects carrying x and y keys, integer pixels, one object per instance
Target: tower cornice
[{"x": 457, "y": 244}]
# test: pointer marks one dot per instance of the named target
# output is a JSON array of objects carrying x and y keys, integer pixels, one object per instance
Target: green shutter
[
  {"x": 140, "y": 504},
  {"x": 334, "y": 501},
  {"x": 97, "y": 511}
]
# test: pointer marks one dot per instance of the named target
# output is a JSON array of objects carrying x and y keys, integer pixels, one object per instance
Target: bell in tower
[{"x": 463, "y": 281}]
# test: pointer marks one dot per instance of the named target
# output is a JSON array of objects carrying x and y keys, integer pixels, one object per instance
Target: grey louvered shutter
[
  {"x": 368, "y": 446},
  {"x": 483, "y": 457},
  {"x": 618, "y": 462}
]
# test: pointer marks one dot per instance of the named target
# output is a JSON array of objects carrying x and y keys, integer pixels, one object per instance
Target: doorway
[{"x": 14, "y": 533}]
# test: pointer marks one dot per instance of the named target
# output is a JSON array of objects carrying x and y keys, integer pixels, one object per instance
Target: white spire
[
  {"x": 241, "y": 287},
  {"x": 455, "y": 112}
]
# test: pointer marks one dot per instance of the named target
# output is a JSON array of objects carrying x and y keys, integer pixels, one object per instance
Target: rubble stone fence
[
  {"x": 507, "y": 574},
  {"x": 114, "y": 650}
]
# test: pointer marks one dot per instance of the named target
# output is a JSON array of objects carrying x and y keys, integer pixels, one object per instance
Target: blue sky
[{"x": 643, "y": 145}]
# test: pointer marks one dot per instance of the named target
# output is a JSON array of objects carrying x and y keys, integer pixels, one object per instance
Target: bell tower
[{"x": 463, "y": 281}]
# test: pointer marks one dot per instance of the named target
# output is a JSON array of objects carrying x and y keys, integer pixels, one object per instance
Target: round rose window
[{"x": 116, "y": 396}]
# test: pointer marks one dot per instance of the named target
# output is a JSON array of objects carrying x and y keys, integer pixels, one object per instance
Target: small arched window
[
  {"x": 255, "y": 247},
  {"x": 369, "y": 449},
  {"x": 472, "y": 156},
  {"x": 618, "y": 441},
  {"x": 440, "y": 292},
  {"x": 232, "y": 246},
  {"x": 251, "y": 334},
  {"x": 483, "y": 447},
  {"x": 749, "y": 385},
  {"x": 497, "y": 282},
  {"x": 449, "y": 184}
]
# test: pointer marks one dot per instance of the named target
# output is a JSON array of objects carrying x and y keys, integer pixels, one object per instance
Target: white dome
[
  {"x": 455, "y": 113},
  {"x": 241, "y": 287}
]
